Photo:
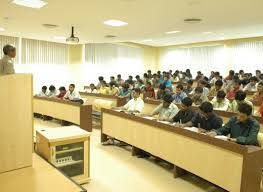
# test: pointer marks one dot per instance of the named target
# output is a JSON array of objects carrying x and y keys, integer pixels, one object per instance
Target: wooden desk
[
  {"x": 151, "y": 104},
  {"x": 91, "y": 97},
  {"x": 65, "y": 110},
  {"x": 42, "y": 177},
  {"x": 229, "y": 165}
]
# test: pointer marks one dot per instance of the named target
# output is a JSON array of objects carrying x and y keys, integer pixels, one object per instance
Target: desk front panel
[
  {"x": 215, "y": 164},
  {"x": 59, "y": 110}
]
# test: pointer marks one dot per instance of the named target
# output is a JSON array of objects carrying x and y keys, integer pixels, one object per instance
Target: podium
[{"x": 16, "y": 121}]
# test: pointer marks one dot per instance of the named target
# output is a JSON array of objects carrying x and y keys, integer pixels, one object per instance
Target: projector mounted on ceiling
[{"x": 72, "y": 39}]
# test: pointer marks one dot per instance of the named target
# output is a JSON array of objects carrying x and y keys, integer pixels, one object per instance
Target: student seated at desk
[
  {"x": 125, "y": 91},
  {"x": 149, "y": 91},
  {"x": 186, "y": 113},
  {"x": 62, "y": 92},
  {"x": 180, "y": 94},
  {"x": 43, "y": 93},
  {"x": 136, "y": 104},
  {"x": 161, "y": 92},
  {"x": 113, "y": 89},
  {"x": 119, "y": 80},
  {"x": 92, "y": 89},
  {"x": 243, "y": 129},
  {"x": 240, "y": 97},
  {"x": 166, "y": 110},
  {"x": 233, "y": 89},
  {"x": 198, "y": 98},
  {"x": 252, "y": 85},
  {"x": 258, "y": 96},
  {"x": 73, "y": 95},
  {"x": 103, "y": 88},
  {"x": 218, "y": 87},
  {"x": 205, "y": 118},
  {"x": 220, "y": 102},
  {"x": 189, "y": 87},
  {"x": 101, "y": 79},
  {"x": 52, "y": 91}
]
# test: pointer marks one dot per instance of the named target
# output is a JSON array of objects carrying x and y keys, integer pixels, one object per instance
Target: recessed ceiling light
[
  {"x": 148, "y": 40},
  {"x": 2, "y": 29},
  {"x": 60, "y": 38},
  {"x": 207, "y": 32},
  {"x": 49, "y": 25},
  {"x": 115, "y": 23},
  {"x": 192, "y": 20},
  {"x": 173, "y": 32},
  {"x": 36, "y": 4}
]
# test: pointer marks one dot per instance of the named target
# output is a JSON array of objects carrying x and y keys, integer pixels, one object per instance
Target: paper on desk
[
  {"x": 118, "y": 110},
  {"x": 150, "y": 118},
  {"x": 222, "y": 137},
  {"x": 165, "y": 122},
  {"x": 194, "y": 129}
]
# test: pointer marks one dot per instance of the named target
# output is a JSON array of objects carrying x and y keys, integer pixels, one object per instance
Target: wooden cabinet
[
  {"x": 16, "y": 122},
  {"x": 68, "y": 149}
]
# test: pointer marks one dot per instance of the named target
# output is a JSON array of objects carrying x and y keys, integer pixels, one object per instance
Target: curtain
[
  {"x": 9, "y": 40},
  {"x": 205, "y": 59},
  {"x": 111, "y": 59},
  {"x": 44, "y": 52},
  {"x": 248, "y": 56}
]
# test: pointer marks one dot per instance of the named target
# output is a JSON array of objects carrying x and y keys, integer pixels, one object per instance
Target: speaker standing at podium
[{"x": 7, "y": 62}]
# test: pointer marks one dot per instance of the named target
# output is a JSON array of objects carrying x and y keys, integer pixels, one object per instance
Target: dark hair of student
[
  {"x": 199, "y": 90},
  {"x": 231, "y": 72},
  {"x": 112, "y": 77},
  {"x": 206, "y": 79},
  {"x": 258, "y": 71},
  {"x": 187, "y": 101},
  {"x": 245, "y": 108},
  {"x": 148, "y": 83},
  {"x": 237, "y": 81},
  {"x": 72, "y": 85},
  {"x": 137, "y": 90},
  {"x": 119, "y": 76},
  {"x": 241, "y": 71},
  {"x": 104, "y": 82},
  {"x": 180, "y": 87},
  {"x": 112, "y": 84},
  {"x": 101, "y": 78},
  {"x": 145, "y": 75},
  {"x": 125, "y": 86},
  {"x": 190, "y": 82},
  {"x": 62, "y": 89},
  {"x": 44, "y": 88},
  {"x": 187, "y": 70},
  {"x": 219, "y": 83},
  {"x": 217, "y": 73},
  {"x": 221, "y": 94},
  {"x": 7, "y": 48},
  {"x": 240, "y": 96},
  {"x": 92, "y": 84},
  {"x": 137, "y": 77},
  {"x": 206, "y": 107},
  {"x": 253, "y": 79},
  {"x": 52, "y": 88},
  {"x": 149, "y": 71},
  {"x": 168, "y": 98},
  {"x": 130, "y": 77}
]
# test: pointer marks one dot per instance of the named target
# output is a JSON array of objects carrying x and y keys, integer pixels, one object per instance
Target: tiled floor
[{"x": 113, "y": 169}]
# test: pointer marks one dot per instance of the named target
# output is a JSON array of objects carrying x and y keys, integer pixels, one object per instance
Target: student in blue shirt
[{"x": 180, "y": 94}]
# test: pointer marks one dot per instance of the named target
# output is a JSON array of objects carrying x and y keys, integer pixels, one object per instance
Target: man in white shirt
[
  {"x": 220, "y": 102},
  {"x": 136, "y": 104},
  {"x": 72, "y": 95},
  {"x": 43, "y": 93},
  {"x": 252, "y": 86},
  {"x": 7, "y": 63}
]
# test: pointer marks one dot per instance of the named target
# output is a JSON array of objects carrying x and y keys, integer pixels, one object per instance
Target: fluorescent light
[
  {"x": 148, "y": 40},
  {"x": 115, "y": 23},
  {"x": 60, "y": 38},
  {"x": 2, "y": 29},
  {"x": 207, "y": 32},
  {"x": 173, "y": 32},
  {"x": 37, "y": 4}
]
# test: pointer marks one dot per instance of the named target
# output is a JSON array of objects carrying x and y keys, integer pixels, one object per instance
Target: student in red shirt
[
  {"x": 62, "y": 92},
  {"x": 235, "y": 88},
  {"x": 149, "y": 91}
]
